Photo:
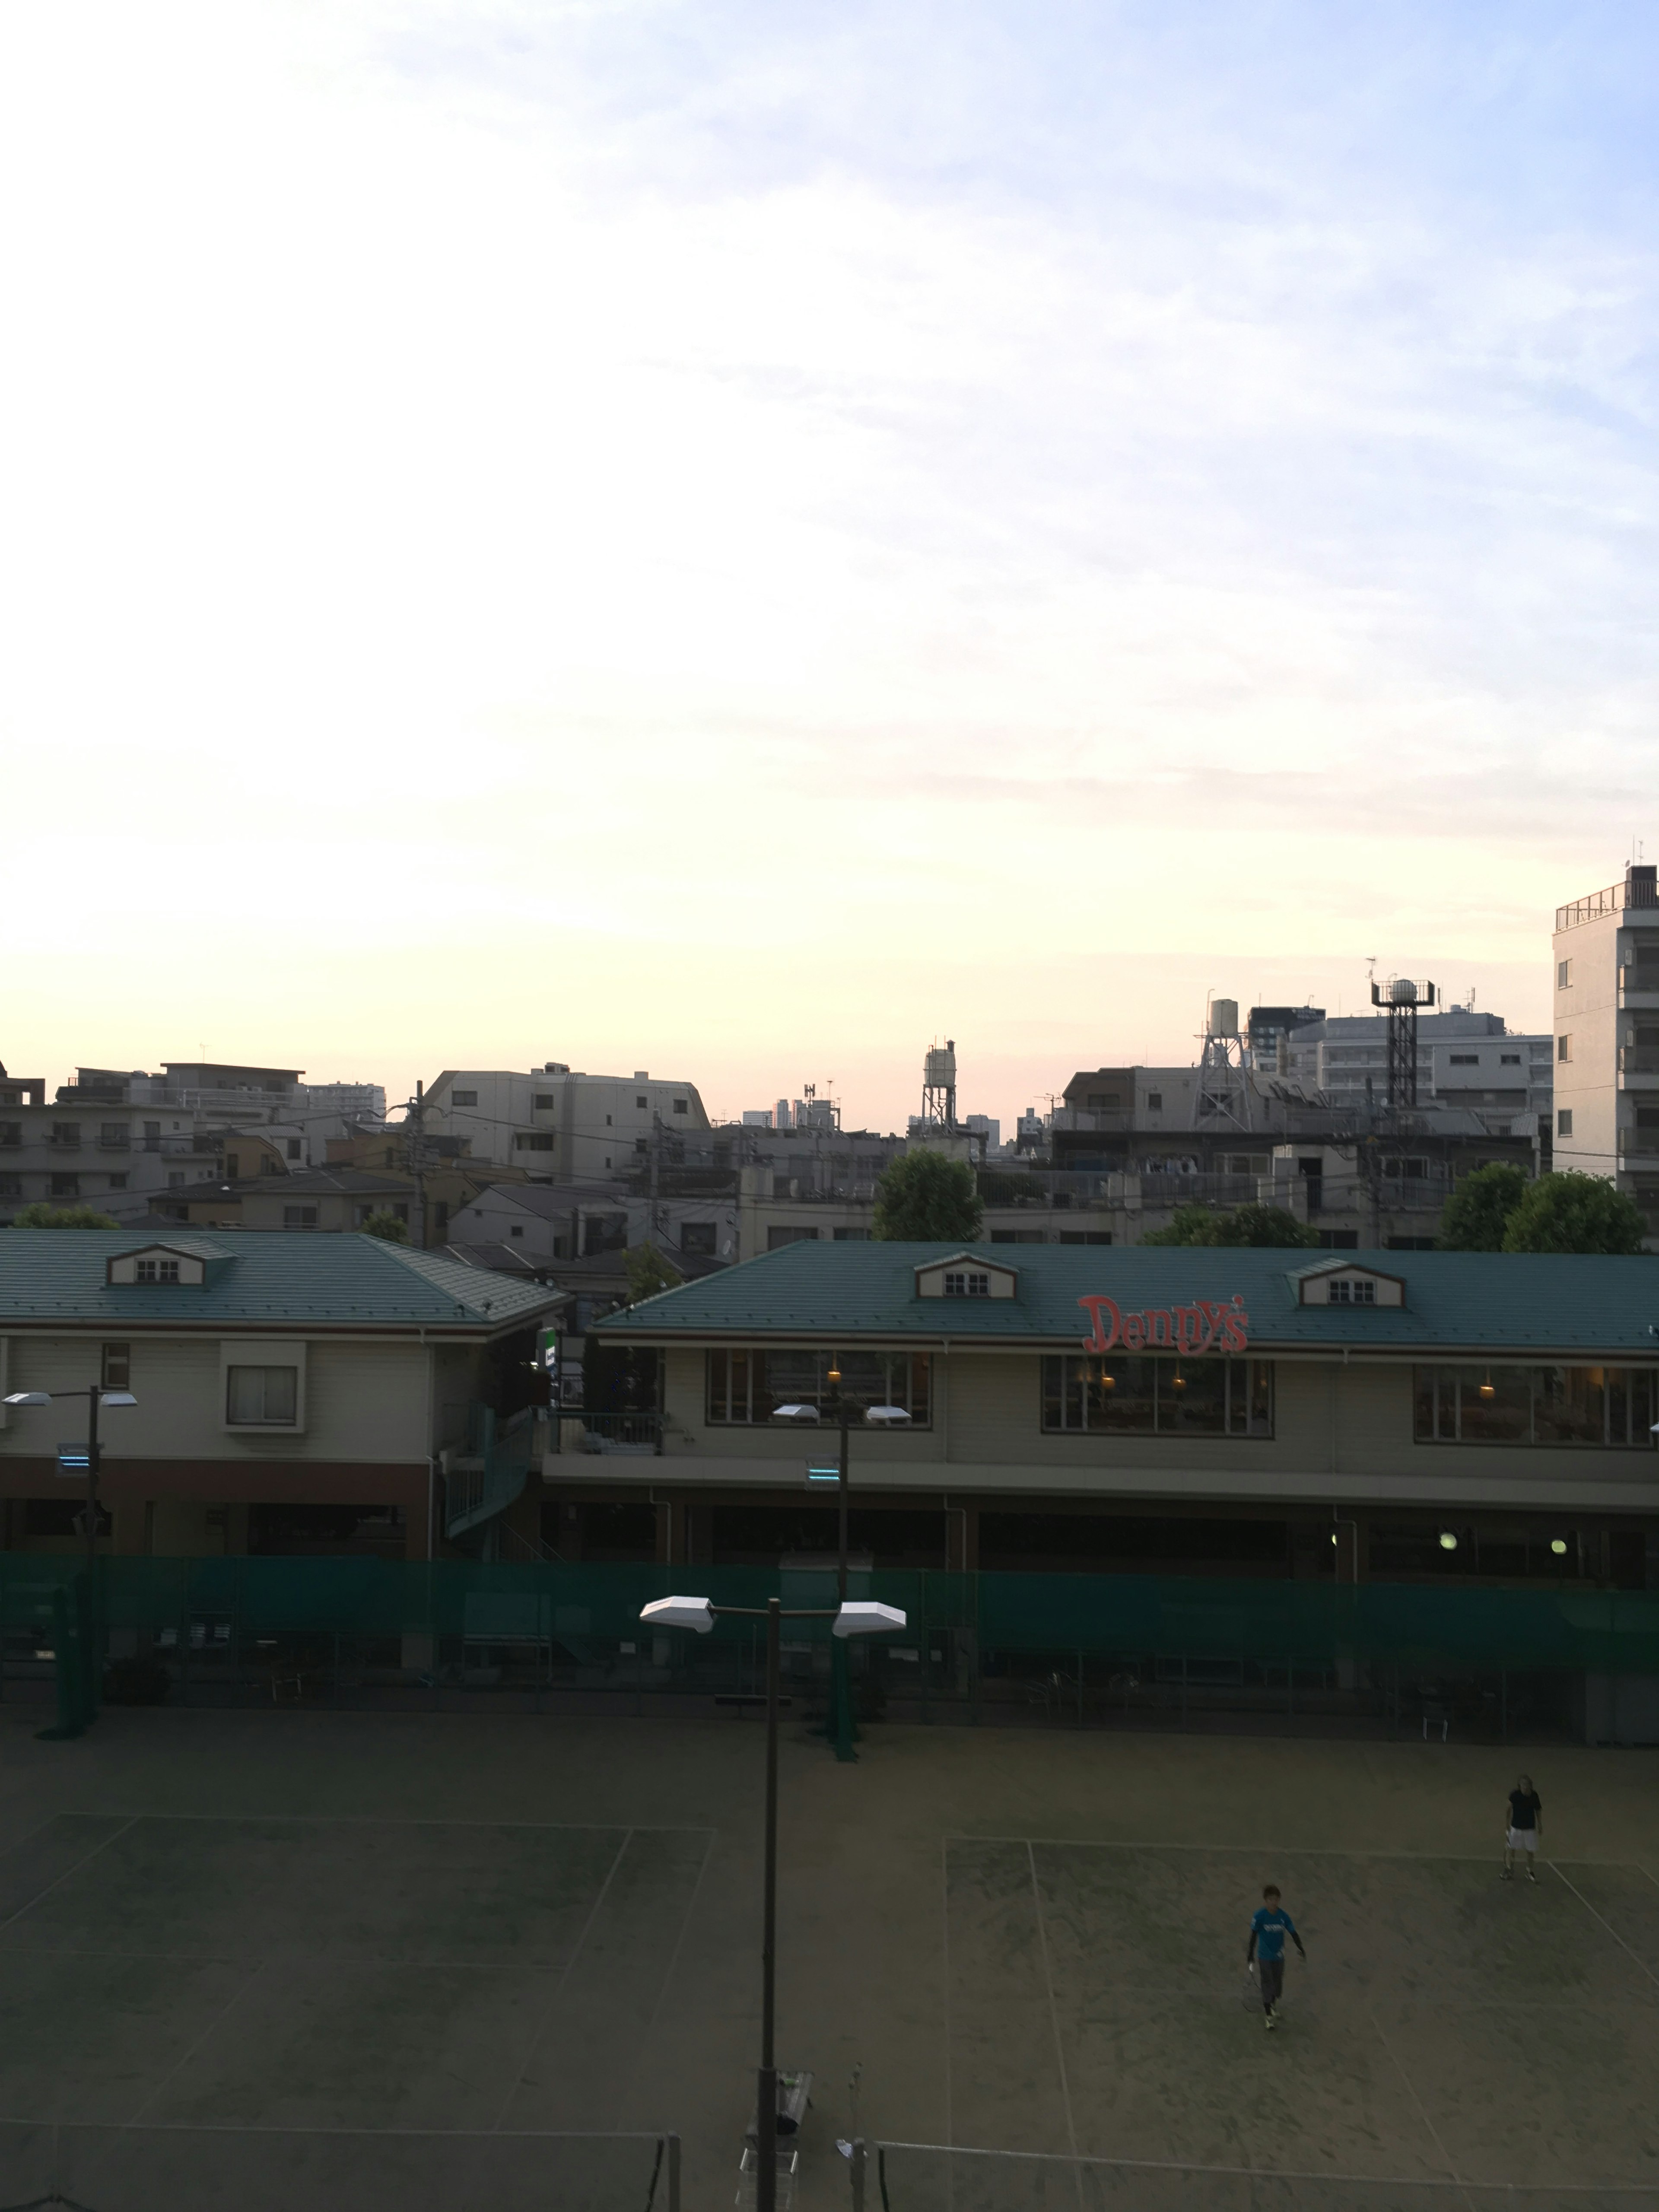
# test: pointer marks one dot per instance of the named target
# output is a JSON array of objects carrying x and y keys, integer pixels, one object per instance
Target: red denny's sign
[{"x": 1207, "y": 1325}]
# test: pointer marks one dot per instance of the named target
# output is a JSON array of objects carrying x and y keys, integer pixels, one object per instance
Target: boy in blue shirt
[{"x": 1269, "y": 1925}]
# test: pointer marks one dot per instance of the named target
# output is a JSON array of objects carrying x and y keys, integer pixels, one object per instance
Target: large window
[
  {"x": 1606, "y": 1405},
  {"x": 745, "y": 1385},
  {"x": 1148, "y": 1396},
  {"x": 261, "y": 1397}
]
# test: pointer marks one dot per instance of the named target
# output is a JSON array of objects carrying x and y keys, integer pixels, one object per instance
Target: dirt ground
[{"x": 1025, "y": 1943}]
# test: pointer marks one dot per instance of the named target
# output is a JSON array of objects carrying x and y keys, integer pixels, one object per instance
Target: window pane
[
  {"x": 282, "y": 1393},
  {"x": 1571, "y": 1405},
  {"x": 1053, "y": 1393},
  {"x": 717, "y": 1402},
  {"x": 1251, "y": 1397},
  {"x": 1192, "y": 1396},
  {"x": 1423, "y": 1423},
  {"x": 256, "y": 1394},
  {"x": 246, "y": 1399},
  {"x": 1122, "y": 1398},
  {"x": 1494, "y": 1405}
]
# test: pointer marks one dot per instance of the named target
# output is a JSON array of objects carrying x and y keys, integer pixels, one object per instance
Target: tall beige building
[{"x": 1606, "y": 1038}]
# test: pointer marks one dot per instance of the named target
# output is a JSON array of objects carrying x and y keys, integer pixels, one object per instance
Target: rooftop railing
[{"x": 1613, "y": 900}]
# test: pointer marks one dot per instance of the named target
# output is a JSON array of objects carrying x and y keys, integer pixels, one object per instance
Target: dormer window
[
  {"x": 156, "y": 1271},
  {"x": 1353, "y": 1291},
  {"x": 1341, "y": 1284},
  {"x": 967, "y": 1283}
]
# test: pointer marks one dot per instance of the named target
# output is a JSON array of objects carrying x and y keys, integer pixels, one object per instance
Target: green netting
[{"x": 1102, "y": 1615}]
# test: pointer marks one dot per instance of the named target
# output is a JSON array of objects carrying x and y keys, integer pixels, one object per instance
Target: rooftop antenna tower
[
  {"x": 1222, "y": 1098},
  {"x": 1401, "y": 997},
  {"x": 939, "y": 1086}
]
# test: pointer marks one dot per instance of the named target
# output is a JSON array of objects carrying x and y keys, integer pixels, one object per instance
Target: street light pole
[
  {"x": 766, "y": 2177},
  {"x": 841, "y": 1731},
  {"x": 863, "y": 1618}
]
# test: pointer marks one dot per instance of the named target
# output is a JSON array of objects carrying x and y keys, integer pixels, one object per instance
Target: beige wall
[
  {"x": 363, "y": 1400},
  {"x": 1342, "y": 1432}
]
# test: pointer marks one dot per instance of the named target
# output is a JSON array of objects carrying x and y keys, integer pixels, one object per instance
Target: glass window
[
  {"x": 156, "y": 1271},
  {"x": 463, "y": 1097},
  {"x": 1507, "y": 1405},
  {"x": 746, "y": 1385},
  {"x": 968, "y": 1283},
  {"x": 117, "y": 1367},
  {"x": 261, "y": 1397},
  {"x": 1145, "y": 1395}
]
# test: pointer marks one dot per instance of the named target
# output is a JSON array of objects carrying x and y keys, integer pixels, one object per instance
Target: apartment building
[
  {"x": 294, "y": 1394},
  {"x": 560, "y": 1125},
  {"x": 1465, "y": 1059},
  {"x": 88, "y": 1147},
  {"x": 1606, "y": 1038},
  {"x": 1367, "y": 1415}
]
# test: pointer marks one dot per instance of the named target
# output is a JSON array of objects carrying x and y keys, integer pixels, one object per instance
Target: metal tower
[
  {"x": 1401, "y": 998},
  {"x": 1223, "y": 1097},
  {"x": 939, "y": 1087}
]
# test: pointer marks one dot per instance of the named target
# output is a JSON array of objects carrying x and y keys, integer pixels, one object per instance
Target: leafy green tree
[
  {"x": 389, "y": 1226},
  {"x": 648, "y": 1272},
  {"x": 1475, "y": 1216},
  {"x": 923, "y": 1198},
  {"x": 1574, "y": 1212},
  {"x": 1256, "y": 1224},
  {"x": 61, "y": 1217}
]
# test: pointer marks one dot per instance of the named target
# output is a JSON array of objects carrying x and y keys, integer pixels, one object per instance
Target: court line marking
[
  {"x": 944, "y": 1904},
  {"x": 679, "y": 1940},
  {"x": 1422, "y": 2109},
  {"x": 1277, "y": 1850},
  {"x": 1277, "y": 2173},
  {"x": 114, "y": 1836},
  {"x": 281, "y": 2128},
  {"x": 186, "y": 2055},
  {"x": 1048, "y": 1984},
  {"x": 1607, "y": 1924},
  {"x": 558, "y": 1987},
  {"x": 413, "y": 1821}
]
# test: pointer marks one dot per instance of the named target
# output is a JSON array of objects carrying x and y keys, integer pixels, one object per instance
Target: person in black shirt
[{"x": 1526, "y": 1825}]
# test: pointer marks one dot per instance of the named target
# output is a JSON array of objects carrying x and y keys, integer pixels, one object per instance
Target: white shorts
[{"x": 1523, "y": 1839}]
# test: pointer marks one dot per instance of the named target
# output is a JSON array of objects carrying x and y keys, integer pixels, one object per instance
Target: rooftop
[
  {"x": 57, "y": 1275},
  {"x": 1478, "y": 1300}
]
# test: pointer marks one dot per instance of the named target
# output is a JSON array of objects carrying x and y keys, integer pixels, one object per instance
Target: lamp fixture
[
  {"x": 1488, "y": 1389},
  {"x": 1558, "y": 1545},
  {"x": 1448, "y": 1541},
  {"x": 1178, "y": 1381}
]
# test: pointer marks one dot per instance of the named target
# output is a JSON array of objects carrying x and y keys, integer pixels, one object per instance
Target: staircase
[{"x": 483, "y": 1480}]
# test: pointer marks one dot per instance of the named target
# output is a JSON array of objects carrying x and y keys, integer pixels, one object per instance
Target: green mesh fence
[{"x": 204, "y": 1600}]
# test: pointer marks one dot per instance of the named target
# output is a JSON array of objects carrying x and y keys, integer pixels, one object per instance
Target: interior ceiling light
[
  {"x": 1558, "y": 1545},
  {"x": 1488, "y": 1389},
  {"x": 1448, "y": 1541}
]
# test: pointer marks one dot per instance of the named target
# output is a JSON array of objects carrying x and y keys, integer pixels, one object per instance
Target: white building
[
  {"x": 1464, "y": 1059},
  {"x": 560, "y": 1125},
  {"x": 1606, "y": 1038}
]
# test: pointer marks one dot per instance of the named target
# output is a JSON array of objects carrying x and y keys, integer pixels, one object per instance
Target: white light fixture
[
  {"x": 29, "y": 1397},
  {"x": 794, "y": 1412},
  {"x": 1558, "y": 1545},
  {"x": 679, "y": 1612},
  {"x": 1448, "y": 1541},
  {"x": 863, "y": 1617},
  {"x": 119, "y": 1398},
  {"x": 888, "y": 1417}
]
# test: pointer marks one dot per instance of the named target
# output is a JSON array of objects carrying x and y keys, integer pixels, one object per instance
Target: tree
[
  {"x": 1574, "y": 1212},
  {"x": 61, "y": 1217},
  {"x": 648, "y": 1273},
  {"x": 1252, "y": 1224},
  {"x": 391, "y": 1226},
  {"x": 923, "y": 1198},
  {"x": 1477, "y": 1213}
]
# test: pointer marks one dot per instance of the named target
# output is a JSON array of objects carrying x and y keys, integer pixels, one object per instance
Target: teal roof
[
  {"x": 1486, "y": 1301},
  {"x": 288, "y": 1276}
]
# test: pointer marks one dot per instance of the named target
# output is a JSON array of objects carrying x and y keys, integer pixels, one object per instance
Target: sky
[{"x": 741, "y": 539}]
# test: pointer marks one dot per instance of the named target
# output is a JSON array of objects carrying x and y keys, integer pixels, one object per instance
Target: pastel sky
[{"x": 739, "y": 538}]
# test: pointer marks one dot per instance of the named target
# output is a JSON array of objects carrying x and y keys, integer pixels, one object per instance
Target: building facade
[
  {"x": 1363, "y": 1416},
  {"x": 1606, "y": 1038},
  {"x": 560, "y": 1125},
  {"x": 294, "y": 1394}
]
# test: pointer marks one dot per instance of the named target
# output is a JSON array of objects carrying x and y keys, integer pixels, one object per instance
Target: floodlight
[
  {"x": 888, "y": 1417},
  {"x": 118, "y": 1398},
  {"x": 679, "y": 1612},
  {"x": 863, "y": 1617},
  {"x": 794, "y": 1412},
  {"x": 28, "y": 1398}
]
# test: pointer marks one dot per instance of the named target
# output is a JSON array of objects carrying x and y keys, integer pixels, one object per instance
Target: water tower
[
  {"x": 1401, "y": 996},
  {"x": 939, "y": 1086},
  {"x": 1222, "y": 1098}
]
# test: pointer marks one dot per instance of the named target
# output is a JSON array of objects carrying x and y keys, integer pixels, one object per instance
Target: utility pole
[{"x": 415, "y": 1156}]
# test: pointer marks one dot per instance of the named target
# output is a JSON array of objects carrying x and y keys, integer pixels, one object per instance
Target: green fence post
[{"x": 64, "y": 1640}]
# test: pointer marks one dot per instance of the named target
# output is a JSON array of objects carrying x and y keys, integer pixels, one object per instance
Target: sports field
[{"x": 354, "y": 1958}]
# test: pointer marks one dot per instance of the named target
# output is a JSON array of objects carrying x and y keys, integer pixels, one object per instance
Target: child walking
[{"x": 1269, "y": 1925}]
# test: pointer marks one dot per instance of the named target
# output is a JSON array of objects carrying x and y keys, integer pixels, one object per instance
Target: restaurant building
[{"x": 1357, "y": 1416}]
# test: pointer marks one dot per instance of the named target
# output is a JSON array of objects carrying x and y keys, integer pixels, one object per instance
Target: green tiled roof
[
  {"x": 1482, "y": 1300},
  {"x": 287, "y": 1276}
]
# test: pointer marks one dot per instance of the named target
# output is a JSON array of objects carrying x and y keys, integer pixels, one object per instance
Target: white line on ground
[
  {"x": 1607, "y": 1924},
  {"x": 1053, "y": 2008},
  {"x": 679, "y": 1940},
  {"x": 558, "y": 1986},
  {"x": 945, "y": 1905},
  {"x": 1446, "y": 2158},
  {"x": 1249, "y": 1850},
  {"x": 29, "y": 1904},
  {"x": 1279, "y": 2173},
  {"x": 212, "y": 2028}
]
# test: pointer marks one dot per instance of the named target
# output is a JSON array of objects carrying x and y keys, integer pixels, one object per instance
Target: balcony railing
[
  {"x": 1638, "y": 1144},
  {"x": 1638, "y": 1060},
  {"x": 631, "y": 1436}
]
